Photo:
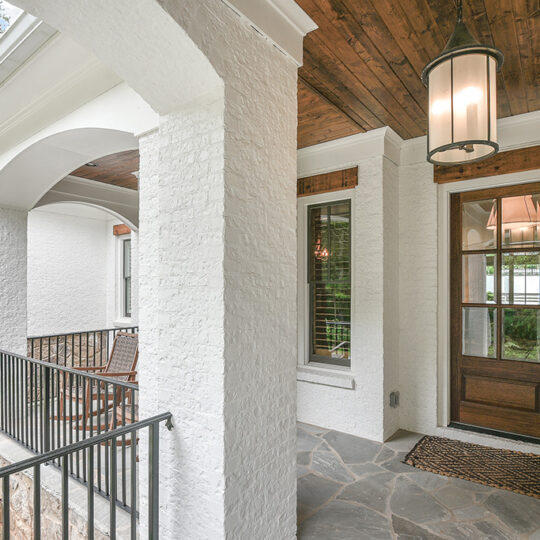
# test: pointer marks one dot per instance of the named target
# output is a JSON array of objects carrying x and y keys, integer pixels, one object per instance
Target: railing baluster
[
  {"x": 133, "y": 484},
  {"x": 5, "y": 507},
  {"x": 123, "y": 473},
  {"x": 113, "y": 475},
  {"x": 106, "y": 428},
  {"x": 77, "y": 430},
  {"x": 71, "y": 419},
  {"x": 90, "y": 488},
  {"x": 65, "y": 499},
  {"x": 46, "y": 388},
  {"x": 37, "y": 502},
  {"x": 153, "y": 482},
  {"x": 98, "y": 405}
]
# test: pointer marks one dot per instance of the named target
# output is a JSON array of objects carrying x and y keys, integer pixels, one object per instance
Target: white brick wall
[
  {"x": 68, "y": 270},
  {"x": 418, "y": 297},
  {"x": 73, "y": 270},
  {"x": 374, "y": 355},
  {"x": 13, "y": 280}
]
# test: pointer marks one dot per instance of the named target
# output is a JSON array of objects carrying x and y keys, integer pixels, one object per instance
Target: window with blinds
[
  {"x": 126, "y": 277},
  {"x": 329, "y": 277}
]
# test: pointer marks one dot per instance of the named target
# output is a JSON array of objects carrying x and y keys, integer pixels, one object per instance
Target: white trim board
[{"x": 283, "y": 22}]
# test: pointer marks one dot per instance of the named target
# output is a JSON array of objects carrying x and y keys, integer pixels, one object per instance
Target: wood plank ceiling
[
  {"x": 362, "y": 68},
  {"x": 362, "y": 65},
  {"x": 116, "y": 169}
]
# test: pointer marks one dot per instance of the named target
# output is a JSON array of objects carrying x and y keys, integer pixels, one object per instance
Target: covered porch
[{"x": 311, "y": 294}]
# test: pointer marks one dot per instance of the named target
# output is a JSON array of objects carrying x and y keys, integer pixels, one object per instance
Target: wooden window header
[
  {"x": 512, "y": 161},
  {"x": 327, "y": 182},
  {"x": 119, "y": 230}
]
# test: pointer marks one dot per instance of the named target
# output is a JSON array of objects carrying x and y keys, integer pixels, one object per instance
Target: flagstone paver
[{"x": 352, "y": 489}]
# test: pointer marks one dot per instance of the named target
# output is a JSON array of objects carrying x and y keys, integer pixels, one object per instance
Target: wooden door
[{"x": 495, "y": 309}]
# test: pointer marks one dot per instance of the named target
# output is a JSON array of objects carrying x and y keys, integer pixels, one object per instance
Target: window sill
[
  {"x": 325, "y": 376},
  {"x": 124, "y": 322}
]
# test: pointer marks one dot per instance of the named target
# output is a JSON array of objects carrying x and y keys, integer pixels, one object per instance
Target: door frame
[{"x": 444, "y": 364}]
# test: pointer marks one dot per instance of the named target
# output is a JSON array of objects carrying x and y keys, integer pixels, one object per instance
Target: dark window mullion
[{"x": 499, "y": 312}]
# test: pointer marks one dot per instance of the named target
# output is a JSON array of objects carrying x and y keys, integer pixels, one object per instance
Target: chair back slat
[{"x": 124, "y": 354}]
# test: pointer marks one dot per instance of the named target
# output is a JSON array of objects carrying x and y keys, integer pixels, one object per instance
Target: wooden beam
[
  {"x": 327, "y": 182},
  {"x": 119, "y": 230},
  {"x": 524, "y": 159}
]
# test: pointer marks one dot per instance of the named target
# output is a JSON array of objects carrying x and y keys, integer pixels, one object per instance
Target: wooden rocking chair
[{"x": 111, "y": 403}]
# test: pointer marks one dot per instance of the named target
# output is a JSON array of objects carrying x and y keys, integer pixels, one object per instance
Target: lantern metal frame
[{"x": 462, "y": 43}]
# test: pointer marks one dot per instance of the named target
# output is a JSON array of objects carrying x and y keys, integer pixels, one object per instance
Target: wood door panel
[
  {"x": 493, "y": 393},
  {"x": 500, "y": 418},
  {"x": 502, "y": 369},
  {"x": 500, "y": 392}
]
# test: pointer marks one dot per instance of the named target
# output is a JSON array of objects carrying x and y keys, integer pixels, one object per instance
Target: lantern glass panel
[
  {"x": 470, "y": 95},
  {"x": 493, "y": 98},
  {"x": 440, "y": 117}
]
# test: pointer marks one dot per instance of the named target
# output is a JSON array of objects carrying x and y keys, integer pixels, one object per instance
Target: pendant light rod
[{"x": 459, "y": 7}]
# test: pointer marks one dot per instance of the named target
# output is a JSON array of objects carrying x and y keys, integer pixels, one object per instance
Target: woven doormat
[{"x": 504, "y": 469}]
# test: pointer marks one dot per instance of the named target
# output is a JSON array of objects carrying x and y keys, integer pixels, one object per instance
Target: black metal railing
[
  {"x": 90, "y": 448},
  {"x": 76, "y": 349},
  {"x": 47, "y": 407}
]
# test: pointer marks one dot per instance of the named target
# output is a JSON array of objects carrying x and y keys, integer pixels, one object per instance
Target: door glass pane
[
  {"x": 479, "y": 224},
  {"x": 479, "y": 332},
  {"x": 520, "y": 221},
  {"x": 520, "y": 334},
  {"x": 478, "y": 278},
  {"x": 521, "y": 278}
]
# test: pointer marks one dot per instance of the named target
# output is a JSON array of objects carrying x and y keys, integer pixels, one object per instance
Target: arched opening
[
  {"x": 27, "y": 178},
  {"x": 82, "y": 270}
]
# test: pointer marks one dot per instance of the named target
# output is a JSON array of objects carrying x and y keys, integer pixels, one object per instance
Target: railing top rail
[
  {"x": 74, "y": 371},
  {"x": 84, "y": 443},
  {"x": 116, "y": 328}
]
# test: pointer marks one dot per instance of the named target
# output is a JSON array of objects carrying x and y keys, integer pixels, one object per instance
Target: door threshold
[{"x": 495, "y": 432}]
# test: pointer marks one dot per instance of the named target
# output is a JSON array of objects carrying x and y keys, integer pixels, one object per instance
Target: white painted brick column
[
  {"x": 181, "y": 313},
  {"x": 217, "y": 310},
  {"x": 13, "y": 256}
]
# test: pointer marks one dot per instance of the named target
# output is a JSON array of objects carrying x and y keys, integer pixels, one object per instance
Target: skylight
[{"x": 8, "y": 15}]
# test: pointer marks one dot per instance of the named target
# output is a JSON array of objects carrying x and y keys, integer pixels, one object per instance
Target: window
[
  {"x": 329, "y": 278},
  {"x": 126, "y": 277}
]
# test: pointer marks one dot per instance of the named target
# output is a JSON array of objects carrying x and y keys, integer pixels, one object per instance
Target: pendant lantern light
[{"x": 462, "y": 92}]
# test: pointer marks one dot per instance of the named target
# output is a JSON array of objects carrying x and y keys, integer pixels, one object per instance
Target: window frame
[
  {"x": 125, "y": 313},
  {"x": 120, "y": 317},
  {"x": 304, "y": 299}
]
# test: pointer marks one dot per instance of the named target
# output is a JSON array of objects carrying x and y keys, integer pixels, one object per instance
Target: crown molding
[
  {"x": 283, "y": 22},
  {"x": 92, "y": 69},
  {"x": 348, "y": 151}
]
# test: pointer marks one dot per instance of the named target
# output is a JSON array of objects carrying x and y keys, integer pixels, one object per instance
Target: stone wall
[
  {"x": 22, "y": 512},
  {"x": 73, "y": 350}
]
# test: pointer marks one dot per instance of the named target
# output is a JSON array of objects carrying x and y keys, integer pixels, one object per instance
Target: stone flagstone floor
[{"x": 351, "y": 489}]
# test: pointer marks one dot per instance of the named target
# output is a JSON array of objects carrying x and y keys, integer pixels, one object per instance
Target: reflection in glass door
[{"x": 495, "y": 282}]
